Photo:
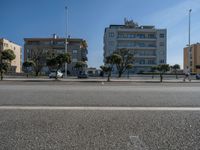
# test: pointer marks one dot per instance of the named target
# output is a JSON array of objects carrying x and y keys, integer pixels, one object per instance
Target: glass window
[
  {"x": 74, "y": 51},
  {"x": 151, "y": 61},
  {"x": 74, "y": 60},
  {"x": 111, "y": 34},
  {"x": 162, "y": 61},
  {"x": 141, "y": 44},
  {"x": 141, "y": 36},
  {"x": 142, "y": 61},
  {"x": 162, "y": 35},
  {"x": 151, "y": 36},
  {"x": 162, "y": 44}
]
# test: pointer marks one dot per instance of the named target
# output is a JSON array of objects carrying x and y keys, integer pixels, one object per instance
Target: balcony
[
  {"x": 137, "y": 47},
  {"x": 144, "y": 65},
  {"x": 144, "y": 56},
  {"x": 135, "y": 39}
]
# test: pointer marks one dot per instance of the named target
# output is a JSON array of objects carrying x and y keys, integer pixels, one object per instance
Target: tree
[
  {"x": 38, "y": 56},
  {"x": 175, "y": 68},
  {"x": 6, "y": 58},
  {"x": 162, "y": 70},
  {"x": 80, "y": 65},
  {"x": 106, "y": 69},
  {"x": 27, "y": 65},
  {"x": 58, "y": 61},
  {"x": 125, "y": 62},
  {"x": 109, "y": 64}
]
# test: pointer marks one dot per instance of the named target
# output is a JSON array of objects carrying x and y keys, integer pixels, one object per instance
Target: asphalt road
[
  {"x": 98, "y": 94},
  {"x": 35, "y": 127}
]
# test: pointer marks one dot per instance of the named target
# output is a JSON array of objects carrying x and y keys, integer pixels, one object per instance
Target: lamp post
[
  {"x": 66, "y": 37},
  {"x": 189, "y": 44}
]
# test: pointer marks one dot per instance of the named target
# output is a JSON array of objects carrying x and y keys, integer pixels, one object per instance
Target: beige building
[
  {"x": 77, "y": 48},
  {"x": 16, "y": 64},
  {"x": 194, "y": 59}
]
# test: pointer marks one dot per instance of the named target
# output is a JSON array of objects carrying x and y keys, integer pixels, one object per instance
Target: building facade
[
  {"x": 195, "y": 58},
  {"x": 16, "y": 64},
  {"x": 148, "y": 44},
  {"x": 77, "y": 48}
]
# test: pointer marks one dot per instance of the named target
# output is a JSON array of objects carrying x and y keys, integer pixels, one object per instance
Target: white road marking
[
  {"x": 136, "y": 144},
  {"x": 100, "y": 108}
]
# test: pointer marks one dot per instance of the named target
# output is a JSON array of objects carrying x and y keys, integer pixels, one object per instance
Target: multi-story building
[
  {"x": 77, "y": 48},
  {"x": 148, "y": 44},
  {"x": 16, "y": 64},
  {"x": 194, "y": 58}
]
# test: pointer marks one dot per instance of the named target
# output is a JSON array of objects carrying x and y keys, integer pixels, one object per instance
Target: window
[
  {"x": 141, "y": 44},
  {"x": 74, "y": 54},
  {"x": 151, "y": 36},
  {"x": 111, "y": 43},
  {"x": 162, "y": 61},
  {"x": 151, "y": 61},
  {"x": 162, "y": 44},
  {"x": 120, "y": 35},
  {"x": 162, "y": 35},
  {"x": 111, "y": 34},
  {"x": 5, "y": 44},
  {"x": 74, "y": 51},
  {"x": 142, "y": 61},
  {"x": 131, "y": 35},
  {"x": 151, "y": 45},
  {"x": 60, "y": 43},
  {"x": 141, "y": 36},
  {"x": 28, "y": 51},
  {"x": 74, "y": 60}
]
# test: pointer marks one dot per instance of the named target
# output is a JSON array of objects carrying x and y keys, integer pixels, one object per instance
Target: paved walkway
[{"x": 132, "y": 79}]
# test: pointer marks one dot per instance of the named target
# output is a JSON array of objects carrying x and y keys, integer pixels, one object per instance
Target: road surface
[{"x": 89, "y": 116}]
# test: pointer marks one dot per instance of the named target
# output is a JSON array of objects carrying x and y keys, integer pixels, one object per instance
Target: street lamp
[
  {"x": 66, "y": 37},
  {"x": 189, "y": 45}
]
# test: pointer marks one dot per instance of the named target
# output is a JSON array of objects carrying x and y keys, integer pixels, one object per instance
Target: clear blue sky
[{"x": 88, "y": 19}]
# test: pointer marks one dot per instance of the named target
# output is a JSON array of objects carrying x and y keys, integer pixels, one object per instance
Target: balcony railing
[
  {"x": 144, "y": 55},
  {"x": 136, "y": 47},
  {"x": 136, "y": 38}
]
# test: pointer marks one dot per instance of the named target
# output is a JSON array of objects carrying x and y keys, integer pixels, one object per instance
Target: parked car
[
  {"x": 53, "y": 74},
  {"x": 82, "y": 75},
  {"x": 198, "y": 76}
]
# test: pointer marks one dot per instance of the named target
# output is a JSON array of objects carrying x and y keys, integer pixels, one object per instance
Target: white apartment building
[{"x": 148, "y": 44}]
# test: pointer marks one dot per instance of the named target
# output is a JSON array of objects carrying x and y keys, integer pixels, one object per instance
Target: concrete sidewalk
[{"x": 74, "y": 79}]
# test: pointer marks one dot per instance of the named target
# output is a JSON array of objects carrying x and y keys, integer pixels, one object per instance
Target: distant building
[
  {"x": 194, "y": 59},
  {"x": 93, "y": 72},
  {"x": 17, "y": 62},
  {"x": 148, "y": 44},
  {"x": 77, "y": 48}
]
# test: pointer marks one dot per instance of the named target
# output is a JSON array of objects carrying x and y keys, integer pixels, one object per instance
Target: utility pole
[
  {"x": 66, "y": 35},
  {"x": 189, "y": 44}
]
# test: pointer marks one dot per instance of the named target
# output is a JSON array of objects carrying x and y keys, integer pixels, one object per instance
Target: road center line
[{"x": 100, "y": 108}]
